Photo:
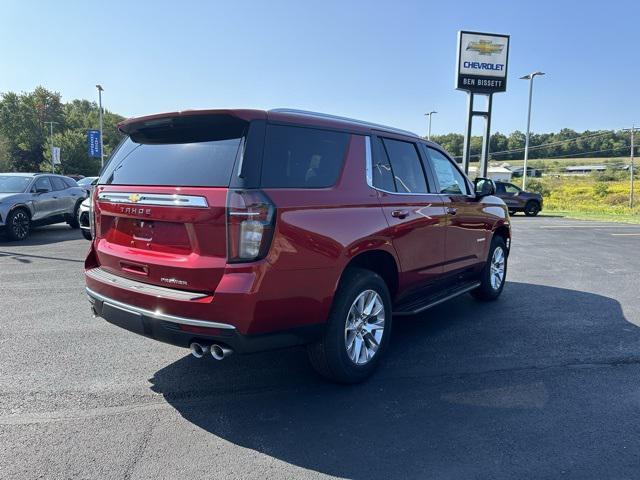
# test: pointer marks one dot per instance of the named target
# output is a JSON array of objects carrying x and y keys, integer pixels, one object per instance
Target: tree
[
  {"x": 74, "y": 156},
  {"x": 23, "y": 127}
]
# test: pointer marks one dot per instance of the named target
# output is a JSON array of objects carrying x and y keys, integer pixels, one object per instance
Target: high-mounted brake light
[{"x": 250, "y": 222}]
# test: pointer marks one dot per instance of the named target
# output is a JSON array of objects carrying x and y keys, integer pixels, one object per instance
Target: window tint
[
  {"x": 297, "y": 157},
  {"x": 511, "y": 188},
  {"x": 500, "y": 187},
  {"x": 197, "y": 164},
  {"x": 449, "y": 177},
  {"x": 42, "y": 183},
  {"x": 382, "y": 176},
  {"x": 406, "y": 167},
  {"x": 58, "y": 183},
  {"x": 70, "y": 182}
]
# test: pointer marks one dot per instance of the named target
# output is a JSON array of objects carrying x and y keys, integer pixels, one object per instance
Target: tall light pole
[
  {"x": 53, "y": 168},
  {"x": 633, "y": 147},
  {"x": 529, "y": 77},
  {"x": 429, "y": 115},
  {"x": 100, "y": 89}
]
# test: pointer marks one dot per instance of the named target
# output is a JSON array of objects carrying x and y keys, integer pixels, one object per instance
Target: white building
[{"x": 497, "y": 174}]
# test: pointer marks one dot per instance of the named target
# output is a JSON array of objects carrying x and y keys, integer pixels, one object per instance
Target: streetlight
[
  {"x": 529, "y": 77},
  {"x": 100, "y": 90},
  {"x": 429, "y": 115}
]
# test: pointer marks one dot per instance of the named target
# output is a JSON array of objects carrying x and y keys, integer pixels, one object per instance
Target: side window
[
  {"x": 42, "y": 183},
  {"x": 298, "y": 157},
  {"x": 382, "y": 175},
  {"x": 70, "y": 182},
  {"x": 511, "y": 188},
  {"x": 58, "y": 183},
  {"x": 449, "y": 177},
  {"x": 406, "y": 167},
  {"x": 500, "y": 188}
]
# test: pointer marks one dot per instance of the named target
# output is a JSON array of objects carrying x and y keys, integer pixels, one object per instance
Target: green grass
[
  {"x": 564, "y": 162},
  {"x": 596, "y": 217}
]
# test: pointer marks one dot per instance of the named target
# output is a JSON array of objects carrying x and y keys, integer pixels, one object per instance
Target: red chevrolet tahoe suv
[{"x": 246, "y": 230}]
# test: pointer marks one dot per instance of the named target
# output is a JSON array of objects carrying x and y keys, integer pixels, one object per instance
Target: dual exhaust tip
[{"x": 218, "y": 352}]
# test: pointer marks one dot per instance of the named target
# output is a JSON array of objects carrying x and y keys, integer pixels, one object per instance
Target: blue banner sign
[{"x": 93, "y": 143}]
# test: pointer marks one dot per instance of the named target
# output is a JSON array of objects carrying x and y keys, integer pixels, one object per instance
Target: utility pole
[
  {"x": 429, "y": 130},
  {"x": 100, "y": 90},
  {"x": 632, "y": 131},
  {"x": 51, "y": 140},
  {"x": 529, "y": 77},
  {"x": 633, "y": 128}
]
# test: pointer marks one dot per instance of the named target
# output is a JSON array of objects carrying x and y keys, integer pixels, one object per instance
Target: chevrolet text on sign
[{"x": 482, "y": 62}]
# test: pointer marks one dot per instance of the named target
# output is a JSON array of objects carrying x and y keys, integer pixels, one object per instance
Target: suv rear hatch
[{"x": 160, "y": 204}]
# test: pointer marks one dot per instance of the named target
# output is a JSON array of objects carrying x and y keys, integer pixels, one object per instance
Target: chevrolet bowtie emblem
[
  {"x": 134, "y": 198},
  {"x": 485, "y": 47}
]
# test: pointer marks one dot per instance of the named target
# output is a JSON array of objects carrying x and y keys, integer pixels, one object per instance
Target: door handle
[
  {"x": 400, "y": 213},
  {"x": 452, "y": 210}
]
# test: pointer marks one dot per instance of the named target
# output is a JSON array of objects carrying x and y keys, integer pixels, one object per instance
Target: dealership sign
[{"x": 482, "y": 62}]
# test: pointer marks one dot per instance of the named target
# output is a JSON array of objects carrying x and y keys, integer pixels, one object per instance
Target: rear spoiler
[{"x": 189, "y": 126}]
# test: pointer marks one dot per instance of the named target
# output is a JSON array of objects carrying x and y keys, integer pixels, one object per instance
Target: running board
[{"x": 427, "y": 302}]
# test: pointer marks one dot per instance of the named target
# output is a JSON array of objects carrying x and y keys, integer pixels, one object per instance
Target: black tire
[
  {"x": 487, "y": 291},
  {"x": 86, "y": 234},
  {"x": 18, "y": 224},
  {"x": 532, "y": 208},
  {"x": 74, "y": 222},
  {"x": 329, "y": 356}
]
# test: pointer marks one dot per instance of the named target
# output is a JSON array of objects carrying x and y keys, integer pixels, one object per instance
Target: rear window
[
  {"x": 70, "y": 182},
  {"x": 299, "y": 157},
  {"x": 187, "y": 152},
  {"x": 58, "y": 183}
]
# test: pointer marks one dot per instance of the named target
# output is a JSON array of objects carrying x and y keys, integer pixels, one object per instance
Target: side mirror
[{"x": 484, "y": 187}]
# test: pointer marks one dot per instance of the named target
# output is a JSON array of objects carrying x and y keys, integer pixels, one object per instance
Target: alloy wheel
[
  {"x": 497, "y": 268},
  {"x": 364, "y": 327},
  {"x": 20, "y": 225}
]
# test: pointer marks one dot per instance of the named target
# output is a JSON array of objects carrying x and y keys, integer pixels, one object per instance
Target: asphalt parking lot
[{"x": 544, "y": 383}]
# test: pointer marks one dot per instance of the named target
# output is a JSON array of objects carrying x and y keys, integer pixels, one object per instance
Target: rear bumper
[{"x": 182, "y": 331}]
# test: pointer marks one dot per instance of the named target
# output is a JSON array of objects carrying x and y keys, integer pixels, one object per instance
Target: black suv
[{"x": 518, "y": 200}]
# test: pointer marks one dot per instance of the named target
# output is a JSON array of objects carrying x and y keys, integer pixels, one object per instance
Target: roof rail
[{"x": 344, "y": 119}]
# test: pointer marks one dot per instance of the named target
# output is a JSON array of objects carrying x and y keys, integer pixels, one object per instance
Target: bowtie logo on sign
[{"x": 485, "y": 47}]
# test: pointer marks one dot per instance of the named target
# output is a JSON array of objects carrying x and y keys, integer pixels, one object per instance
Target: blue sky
[{"x": 387, "y": 62}]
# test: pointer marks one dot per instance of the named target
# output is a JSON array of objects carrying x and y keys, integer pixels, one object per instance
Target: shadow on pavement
[
  {"x": 44, "y": 235},
  {"x": 517, "y": 388}
]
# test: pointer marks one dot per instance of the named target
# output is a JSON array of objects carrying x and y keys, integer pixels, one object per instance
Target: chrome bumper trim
[
  {"x": 145, "y": 288},
  {"x": 157, "y": 314},
  {"x": 161, "y": 199}
]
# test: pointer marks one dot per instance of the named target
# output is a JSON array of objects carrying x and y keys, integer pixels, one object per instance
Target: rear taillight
[
  {"x": 250, "y": 221},
  {"x": 92, "y": 210}
]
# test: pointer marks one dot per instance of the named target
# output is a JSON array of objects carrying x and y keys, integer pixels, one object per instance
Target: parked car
[
  {"x": 84, "y": 218},
  {"x": 87, "y": 183},
  {"x": 518, "y": 200},
  {"x": 31, "y": 199},
  {"x": 244, "y": 230}
]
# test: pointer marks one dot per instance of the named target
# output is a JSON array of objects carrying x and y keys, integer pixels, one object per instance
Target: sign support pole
[
  {"x": 466, "y": 152},
  {"x": 486, "y": 141},
  {"x": 466, "y": 149}
]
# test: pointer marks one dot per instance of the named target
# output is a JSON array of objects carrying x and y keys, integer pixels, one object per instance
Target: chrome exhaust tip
[
  {"x": 219, "y": 352},
  {"x": 198, "y": 350}
]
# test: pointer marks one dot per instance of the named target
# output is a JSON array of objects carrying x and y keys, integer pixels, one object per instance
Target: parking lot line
[
  {"x": 625, "y": 234},
  {"x": 590, "y": 226}
]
